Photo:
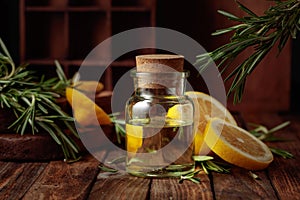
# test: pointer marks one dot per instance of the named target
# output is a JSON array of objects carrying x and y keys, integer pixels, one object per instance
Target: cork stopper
[{"x": 157, "y": 63}]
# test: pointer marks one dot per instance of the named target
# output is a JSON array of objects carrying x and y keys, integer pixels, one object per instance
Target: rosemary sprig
[
  {"x": 275, "y": 27},
  {"x": 262, "y": 132},
  {"x": 33, "y": 102},
  {"x": 107, "y": 169},
  {"x": 280, "y": 152},
  {"x": 117, "y": 160},
  {"x": 208, "y": 165},
  {"x": 190, "y": 177},
  {"x": 266, "y": 135},
  {"x": 213, "y": 166},
  {"x": 120, "y": 131}
]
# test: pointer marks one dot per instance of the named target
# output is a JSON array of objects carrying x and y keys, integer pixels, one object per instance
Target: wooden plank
[
  {"x": 240, "y": 185},
  {"x": 123, "y": 186},
  {"x": 17, "y": 178},
  {"x": 170, "y": 188},
  {"x": 29, "y": 148},
  {"x": 284, "y": 173},
  {"x": 119, "y": 186},
  {"x": 61, "y": 180}
]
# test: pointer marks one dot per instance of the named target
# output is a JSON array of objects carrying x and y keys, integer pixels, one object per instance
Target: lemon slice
[
  {"x": 181, "y": 112},
  {"x": 236, "y": 145},
  {"x": 83, "y": 108},
  {"x": 89, "y": 86},
  {"x": 134, "y": 137},
  {"x": 206, "y": 107}
]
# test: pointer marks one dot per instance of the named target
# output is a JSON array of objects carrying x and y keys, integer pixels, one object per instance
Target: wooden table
[{"x": 84, "y": 180}]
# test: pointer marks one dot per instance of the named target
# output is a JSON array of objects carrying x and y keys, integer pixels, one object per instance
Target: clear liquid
[{"x": 159, "y": 150}]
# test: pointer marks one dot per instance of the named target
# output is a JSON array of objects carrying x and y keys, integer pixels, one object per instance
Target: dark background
[{"x": 183, "y": 17}]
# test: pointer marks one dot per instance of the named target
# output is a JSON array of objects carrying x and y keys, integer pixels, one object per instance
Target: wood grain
[
  {"x": 285, "y": 181},
  {"x": 65, "y": 181},
  {"x": 172, "y": 189},
  {"x": 82, "y": 180},
  {"x": 240, "y": 185},
  {"x": 17, "y": 178},
  {"x": 119, "y": 186},
  {"x": 29, "y": 148}
]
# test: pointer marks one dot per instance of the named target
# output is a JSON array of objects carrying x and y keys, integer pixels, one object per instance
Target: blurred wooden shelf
[
  {"x": 67, "y": 30},
  {"x": 131, "y": 9}
]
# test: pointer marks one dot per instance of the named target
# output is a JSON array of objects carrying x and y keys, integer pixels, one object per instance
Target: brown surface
[
  {"x": 59, "y": 180},
  {"x": 283, "y": 173},
  {"x": 17, "y": 178},
  {"x": 7, "y": 118},
  {"x": 171, "y": 189},
  {"x": 120, "y": 186},
  {"x": 29, "y": 147},
  {"x": 239, "y": 185},
  {"x": 41, "y": 147},
  {"x": 64, "y": 181}
]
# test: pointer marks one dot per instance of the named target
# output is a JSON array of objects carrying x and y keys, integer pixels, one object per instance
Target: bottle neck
[
  {"x": 160, "y": 84},
  {"x": 158, "y": 91}
]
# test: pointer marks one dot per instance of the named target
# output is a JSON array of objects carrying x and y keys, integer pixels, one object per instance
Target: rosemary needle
[
  {"x": 279, "y": 23},
  {"x": 266, "y": 135},
  {"x": 209, "y": 165},
  {"x": 33, "y": 101}
]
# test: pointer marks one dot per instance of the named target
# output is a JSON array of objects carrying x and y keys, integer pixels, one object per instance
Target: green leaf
[
  {"x": 133, "y": 160},
  {"x": 280, "y": 126},
  {"x": 50, "y": 131},
  {"x": 60, "y": 71},
  {"x": 202, "y": 158},
  {"x": 4, "y": 100},
  {"x": 244, "y": 8},
  {"x": 283, "y": 153},
  {"x": 258, "y": 33},
  {"x": 258, "y": 128},
  {"x": 107, "y": 169},
  {"x": 229, "y": 15},
  {"x": 120, "y": 159},
  {"x": 216, "y": 167},
  {"x": 190, "y": 177},
  {"x": 226, "y": 30},
  {"x": 262, "y": 133},
  {"x": 3, "y": 47},
  {"x": 42, "y": 108},
  {"x": 68, "y": 140}
]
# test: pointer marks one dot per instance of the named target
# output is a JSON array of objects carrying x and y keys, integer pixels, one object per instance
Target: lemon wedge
[
  {"x": 84, "y": 107},
  {"x": 181, "y": 112},
  {"x": 206, "y": 107},
  {"x": 89, "y": 86},
  {"x": 134, "y": 137},
  {"x": 236, "y": 145}
]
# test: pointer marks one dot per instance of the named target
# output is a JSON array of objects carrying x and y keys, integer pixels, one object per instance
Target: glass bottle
[{"x": 159, "y": 125}]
